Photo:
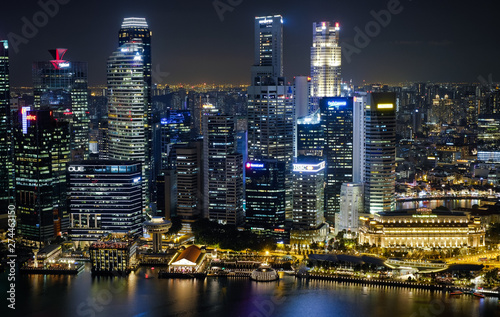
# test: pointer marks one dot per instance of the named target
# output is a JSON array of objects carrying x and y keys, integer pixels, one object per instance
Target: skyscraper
[
  {"x": 308, "y": 202},
  {"x": 380, "y": 162},
  {"x": 270, "y": 101},
  {"x": 61, "y": 86},
  {"x": 325, "y": 60},
  {"x": 42, "y": 152},
  {"x": 136, "y": 30},
  {"x": 127, "y": 107},
  {"x": 223, "y": 170},
  {"x": 6, "y": 174},
  {"x": 337, "y": 122},
  {"x": 265, "y": 198}
]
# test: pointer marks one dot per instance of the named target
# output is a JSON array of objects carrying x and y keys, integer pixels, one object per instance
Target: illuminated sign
[
  {"x": 30, "y": 117},
  {"x": 255, "y": 165},
  {"x": 424, "y": 216},
  {"x": 308, "y": 167},
  {"x": 334, "y": 103},
  {"x": 63, "y": 65},
  {"x": 279, "y": 230},
  {"x": 76, "y": 169},
  {"x": 265, "y": 21},
  {"x": 385, "y": 106}
]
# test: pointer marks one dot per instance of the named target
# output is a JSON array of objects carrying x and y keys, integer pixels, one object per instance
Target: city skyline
[{"x": 430, "y": 52}]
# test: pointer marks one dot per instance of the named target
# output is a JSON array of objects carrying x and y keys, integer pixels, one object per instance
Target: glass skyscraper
[
  {"x": 127, "y": 107},
  {"x": 380, "y": 153},
  {"x": 61, "y": 86},
  {"x": 42, "y": 147},
  {"x": 270, "y": 101},
  {"x": 6, "y": 171},
  {"x": 337, "y": 122}
]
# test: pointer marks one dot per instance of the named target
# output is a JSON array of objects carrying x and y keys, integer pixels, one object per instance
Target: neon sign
[
  {"x": 254, "y": 165},
  {"x": 30, "y": 117},
  {"x": 334, "y": 103}
]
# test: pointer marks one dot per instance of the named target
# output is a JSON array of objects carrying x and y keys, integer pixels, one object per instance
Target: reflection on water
[
  {"x": 450, "y": 203},
  {"x": 138, "y": 296}
]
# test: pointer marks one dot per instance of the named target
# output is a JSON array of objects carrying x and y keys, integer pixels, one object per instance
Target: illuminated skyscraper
[
  {"x": 127, "y": 107},
  {"x": 308, "y": 186},
  {"x": 61, "y": 86},
  {"x": 325, "y": 60},
  {"x": 223, "y": 170},
  {"x": 136, "y": 30},
  {"x": 337, "y": 122},
  {"x": 6, "y": 171},
  {"x": 270, "y": 102},
  {"x": 41, "y": 154},
  {"x": 380, "y": 156}
]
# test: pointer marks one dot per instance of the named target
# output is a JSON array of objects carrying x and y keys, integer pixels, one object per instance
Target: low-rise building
[
  {"x": 113, "y": 256},
  {"x": 422, "y": 228}
]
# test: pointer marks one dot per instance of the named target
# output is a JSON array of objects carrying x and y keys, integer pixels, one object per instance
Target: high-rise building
[
  {"x": 127, "y": 108},
  {"x": 325, "y": 60},
  {"x": 265, "y": 198},
  {"x": 223, "y": 170},
  {"x": 189, "y": 184},
  {"x": 308, "y": 187},
  {"x": 6, "y": 157},
  {"x": 337, "y": 122},
  {"x": 270, "y": 102},
  {"x": 61, "y": 86},
  {"x": 104, "y": 196},
  {"x": 358, "y": 142},
  {"x": 175, "y": 132},
  {"x": 380, "y": 153},
  {"x": 136, "y": 30},
  {"x": 42, "y": 150}
]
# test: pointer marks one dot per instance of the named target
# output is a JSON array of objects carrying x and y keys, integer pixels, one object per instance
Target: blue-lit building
[
  {"x": 310, "y": 136},
  {"x": 265, "y": 198},
  {"x": 61, "y": 86},
  {"x": 175, "y": 132},
  {"x": 104, "y": 197},
  {"x": 337, "y": 123}
]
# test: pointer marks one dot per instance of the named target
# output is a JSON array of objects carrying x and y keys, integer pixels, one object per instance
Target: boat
[
  {"x": 456, "y": 292},
  {"x": 265, "y": 273},
  {"x": 478, "y": 295}
]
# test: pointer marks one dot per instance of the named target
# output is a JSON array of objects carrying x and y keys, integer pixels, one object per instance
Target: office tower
[
  {"x": 136, "y": 30},
  {"x": 325, "y": 60},
  {"x": 310, "y": 136},
  {"x": 380, "y": 155},
  {"x": 127, "y": 108},
  {"x": 42, "y": 150},
  {"x": 337, "y": 122},
  {"x": 6, "y": 157},
  {"x": 358, "y": 133},
  {"x": 104, "y": 196},
  {"x": 189, "y": 184},
  {"x": 270, "y": 101},
  {"x": 301, "y": 85},
  {"x": 61, "y": 86},
  {"x": 351, "y": 206},
  {"x": 265, "y": 198},
  {"x": 308, "y": 187},
  {"x": 223, "y": 171}
]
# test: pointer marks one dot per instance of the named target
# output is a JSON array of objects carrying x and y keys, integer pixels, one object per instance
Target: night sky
[{"x": 429, "y": 40}]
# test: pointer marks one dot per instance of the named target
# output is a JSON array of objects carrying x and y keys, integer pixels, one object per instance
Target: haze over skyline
[{"x": 426, "y": 41}]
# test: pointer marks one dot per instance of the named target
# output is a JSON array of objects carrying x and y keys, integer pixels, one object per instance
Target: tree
[
  {"x": 491, "y": 276},
  {"x": 176, "y": 225}
]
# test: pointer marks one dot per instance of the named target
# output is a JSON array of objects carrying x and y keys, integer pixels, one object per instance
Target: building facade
[
  {"x": 351, "y": 206},
  {"x": 325, "y": 60},
  {"x": 380, "y": 153},
  {"x": 337, "y": 122},
  {"x": 422, "y": 229},
  {"x": 42, "y": 147},
  {"x": 105, "y": 196}
]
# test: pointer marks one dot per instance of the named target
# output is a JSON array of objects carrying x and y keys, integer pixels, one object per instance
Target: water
[
  {"x": 450, "y": 203},
  {"x": 138, "y": 296}
]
